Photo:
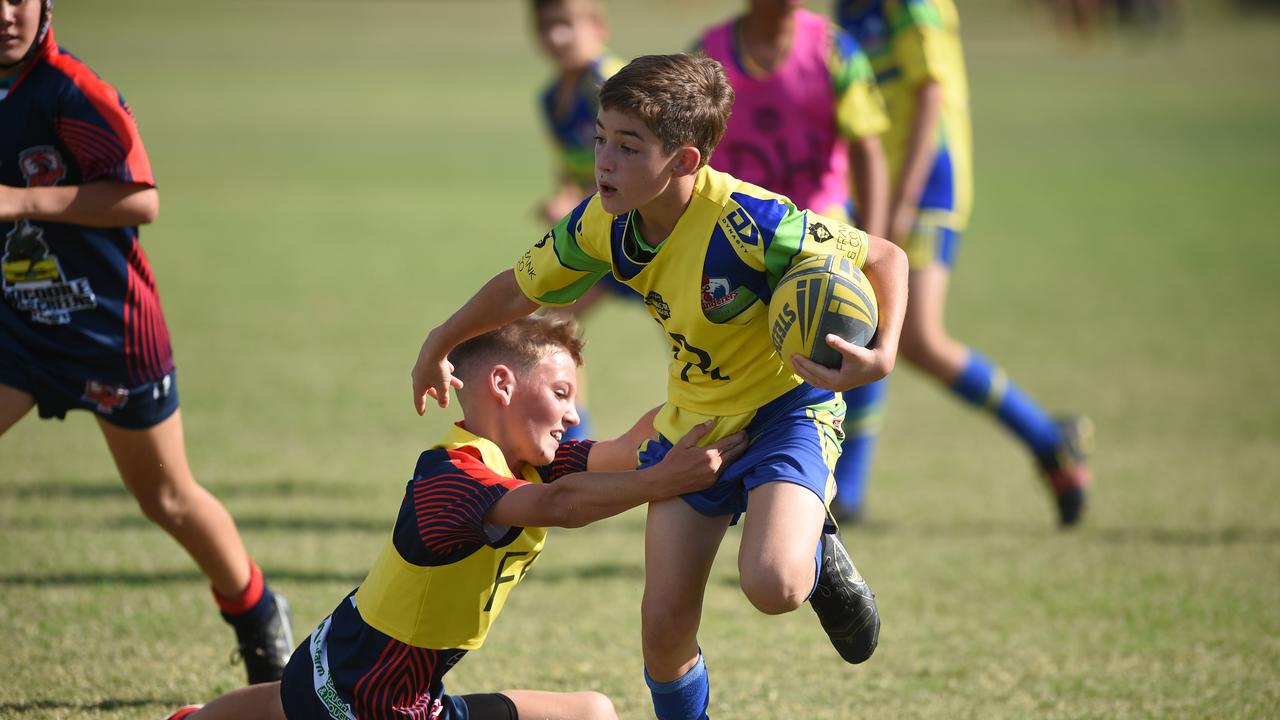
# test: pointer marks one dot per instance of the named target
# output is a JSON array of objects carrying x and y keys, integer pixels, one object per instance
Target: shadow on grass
[
  {"x": 23, "y": 708},
  {"x": 598, "y": 571},
  {"x": 165, "y": 577},
  {"x": 1188, "y": 537},
  {"x": 1172, "y": 536},
  {"x": 112, "y": 488},
  {"x": 290, "y": 524}
]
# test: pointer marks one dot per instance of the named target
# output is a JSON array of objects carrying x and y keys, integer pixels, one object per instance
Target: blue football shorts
[
  {"x": 795, "y": 438},
  {"x": 57, "y": 390}
]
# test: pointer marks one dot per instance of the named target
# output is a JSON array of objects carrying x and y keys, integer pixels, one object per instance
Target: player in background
[
  {"x": 807, "y": 115},
  {"x": 81, "y": 325},
  {"x": 572, "y": 34},
  {"x": 661, "y": 221},
  {"x": 914, "y": 47},
  {"x": 807, "y": 121},
  {"x": 473, "y": 521}
]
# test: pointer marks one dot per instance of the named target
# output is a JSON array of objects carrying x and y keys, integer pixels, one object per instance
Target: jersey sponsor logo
[
  {"x": 34, "y": 282},
  {"x": 716, "y": 293},
  {"x": 551, "y": 234},
  {"x": 849, "y": 240},
  {"x": 660, "y": 306},
  {"x": 819, "y": 232},
  {"x": 526, "y": 264},
  {"x": 701, "y": 360},
  {"x": 42, "y": 166},
  {"x": 106, "y": 397},
  {"x": 741, "y": 230}
]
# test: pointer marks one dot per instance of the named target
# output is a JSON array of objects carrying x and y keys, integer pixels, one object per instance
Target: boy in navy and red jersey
[
  {"x": 473, "y": 521},
  {"x": 81, "y": 325}
]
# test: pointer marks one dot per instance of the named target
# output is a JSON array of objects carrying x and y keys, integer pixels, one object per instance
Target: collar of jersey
[{"x": 490, "y": 455}]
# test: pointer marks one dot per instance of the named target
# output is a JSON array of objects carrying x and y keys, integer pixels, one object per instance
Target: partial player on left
[{"x": 81, "y": 325}]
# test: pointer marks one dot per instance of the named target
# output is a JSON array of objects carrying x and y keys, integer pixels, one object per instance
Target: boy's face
[
  {"x": 19, "y": 23},
  {"x": 631, "y": 166},
  {"x": 571, "y": 33},
  {"x": 542, "y": 408}
]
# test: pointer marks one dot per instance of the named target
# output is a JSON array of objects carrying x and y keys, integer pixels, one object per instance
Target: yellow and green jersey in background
[{"x": 570, "y": 116}]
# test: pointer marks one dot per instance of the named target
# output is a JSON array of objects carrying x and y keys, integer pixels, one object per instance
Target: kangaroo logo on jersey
[
  {"x": 42, "y": 166},
  {"x": 33, "y": 279}
]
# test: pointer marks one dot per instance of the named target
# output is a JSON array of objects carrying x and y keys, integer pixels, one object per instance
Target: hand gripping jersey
[
  {"x": 571, "y": 119},
  {"x": 708, "y": 284},
  {"x": 789, "y": 126},
  {"x": 908, "y": 42},
  {"x": 81, "y": 299}
]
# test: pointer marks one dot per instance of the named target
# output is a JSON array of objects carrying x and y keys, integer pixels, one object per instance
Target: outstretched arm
[
  {"x": 620, "y": 453},
  {"x": 582, "y": 498},
  {"x": 102, "y": 203},
  {"x": 499, "y": 302}
]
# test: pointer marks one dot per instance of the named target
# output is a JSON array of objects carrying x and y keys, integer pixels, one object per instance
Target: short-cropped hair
[
  {"x": 682, "y": 99},
  {"x": 520, "y": 345}
]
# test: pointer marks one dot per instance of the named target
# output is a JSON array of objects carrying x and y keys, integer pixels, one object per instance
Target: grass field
[{"x": 337, "y": 176}]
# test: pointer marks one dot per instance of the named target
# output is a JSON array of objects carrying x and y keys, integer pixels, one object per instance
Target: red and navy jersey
[
  {"x": 83, "y": 299},
  {"x": 441, "y": 521}
]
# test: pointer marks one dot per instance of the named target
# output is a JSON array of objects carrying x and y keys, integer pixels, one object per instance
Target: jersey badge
[
  {"x": 42, "y": 166},
  {"x": 716, "y": 293},
  {"x": 33, "y": 279},
  {"x": 106, "y": 397},
  {"x": 741, "y": 230}
]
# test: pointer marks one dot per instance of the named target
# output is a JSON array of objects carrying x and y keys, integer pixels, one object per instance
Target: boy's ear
[
  {"x": 502, "y": 384},
  {"x": 687, "y": 160}
]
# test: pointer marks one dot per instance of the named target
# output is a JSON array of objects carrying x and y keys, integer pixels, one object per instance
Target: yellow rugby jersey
[
  {"x": 908, "y": 42},
  {"x": 708, "y": 284},
  {"x": 571, "y": 120},
  {"x": 451, "y": 601}
]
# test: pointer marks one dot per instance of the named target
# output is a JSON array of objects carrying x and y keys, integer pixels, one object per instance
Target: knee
[
  {"x": 666, "y": 630},
  {"x": 596, "y": 706},
  {"x": 774, "y": 592},
  {"x": 163, "y": 503}
]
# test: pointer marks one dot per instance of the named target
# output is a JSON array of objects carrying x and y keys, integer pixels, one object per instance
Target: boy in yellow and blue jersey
[
  {"x": 472, "y": 522},
  {"x": 670, "y": 227},
  {"x": 914, "y": 48}
]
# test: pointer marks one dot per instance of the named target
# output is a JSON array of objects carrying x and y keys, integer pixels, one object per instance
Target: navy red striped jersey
[
  {"x": 442, "y": 516},
  {"x": 81, "y": 298}
]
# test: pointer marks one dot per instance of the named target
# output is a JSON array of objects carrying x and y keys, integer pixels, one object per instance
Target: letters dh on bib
[{"x": 821, "y": 295}]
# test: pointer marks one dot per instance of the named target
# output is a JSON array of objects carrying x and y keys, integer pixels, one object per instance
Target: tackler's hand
[{"x": 432, "y": 375}]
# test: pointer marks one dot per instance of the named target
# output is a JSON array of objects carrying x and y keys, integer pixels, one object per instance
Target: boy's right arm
[{"x": 499, "y": 302}]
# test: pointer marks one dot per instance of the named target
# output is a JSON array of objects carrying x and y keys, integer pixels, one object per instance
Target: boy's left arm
[
  {"x": 101, "y": 203},
  {"x": 886, "y": 268}
]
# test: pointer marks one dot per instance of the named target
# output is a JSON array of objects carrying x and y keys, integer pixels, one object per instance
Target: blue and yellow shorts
[{"x": 795, "y": 438}]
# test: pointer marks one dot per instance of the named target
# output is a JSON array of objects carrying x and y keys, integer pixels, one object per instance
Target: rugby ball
[{"x": 820, "y": 295}]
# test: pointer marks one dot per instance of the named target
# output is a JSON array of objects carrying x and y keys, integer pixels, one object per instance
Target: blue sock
[
  {"x": 685, "y": 698},
  {"x": 581, "y": 431},
  {"x": 985, "y": 385},
  {"x": 862, "y": 423}
]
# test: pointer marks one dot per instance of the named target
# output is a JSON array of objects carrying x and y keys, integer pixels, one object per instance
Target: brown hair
[
  {"x": 520, "y": 345},
  {"x": 537, "y": 6},
  {"x": 683, "y": 99}
]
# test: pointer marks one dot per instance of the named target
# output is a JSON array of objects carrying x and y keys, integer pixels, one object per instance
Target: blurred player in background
[
  {"x": 914, "y": 46},
  {"x": 807, "y": 115},
  {"x": 81, "y": 326},
  {"x": 472, "y": 523},
  {"x": 807, "y": 120},
  {"x": 572, "y": 34},
  {"x": 662, "y": 221}
]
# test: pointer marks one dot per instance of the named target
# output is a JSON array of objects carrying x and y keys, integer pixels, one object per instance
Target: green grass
[{"x": 336, "y": 177}]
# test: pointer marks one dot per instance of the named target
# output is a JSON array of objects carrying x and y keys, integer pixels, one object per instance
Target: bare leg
[
  {"x": 925, "y": 342},
  {"x": 540, "y": 705},
  {"x": 255, "y": 702},
  {"x": 679, "y": 547},
  {"x": 776, "y": 561},
  {"x": 153, "y": 465},
  {"x": 14, "y": 404}
]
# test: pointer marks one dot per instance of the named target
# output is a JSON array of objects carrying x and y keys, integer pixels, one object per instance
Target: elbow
[
  {"x": 561, "y": 508},
  {"x": 143, "y": 207}
]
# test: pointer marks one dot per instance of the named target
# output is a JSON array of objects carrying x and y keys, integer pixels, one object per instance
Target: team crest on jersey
[
  {"x": 741, "y": 230},
  {"x": 33, "y": 279},
  {"x": 819, "y": 232},
  {"x": 106, "y": 397},
  {"x": 660, "y": 306},
  {"x": 42, "y": 166},
  {"x": 716, "y": 293}
]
